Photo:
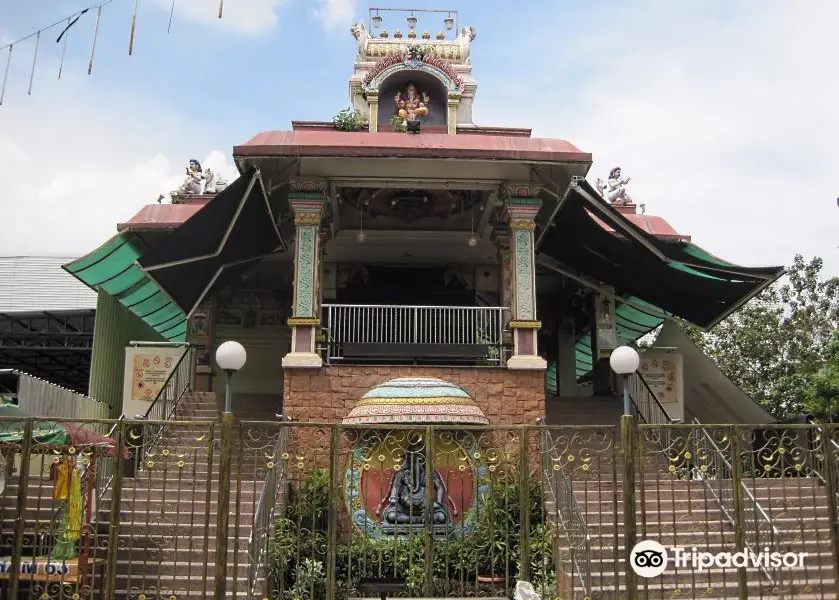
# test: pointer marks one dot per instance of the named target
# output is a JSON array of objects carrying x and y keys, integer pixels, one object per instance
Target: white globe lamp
[
  {"x": 230, "y": 357},
  {"x": 624, "y": 361}
]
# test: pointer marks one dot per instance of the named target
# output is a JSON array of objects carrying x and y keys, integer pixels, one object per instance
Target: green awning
[
  {"x": 632, "y": 322},
  {"x": 678, "y": 278},
  {"x": 112, "y": 268}
]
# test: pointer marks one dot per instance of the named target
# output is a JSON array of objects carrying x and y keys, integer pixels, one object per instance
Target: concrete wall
[{"x": 328, "y": 394}]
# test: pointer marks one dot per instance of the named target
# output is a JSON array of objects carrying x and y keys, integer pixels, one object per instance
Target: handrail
[
  {"x": 720, "y": 495},
  {"x": 647, "y": 405},
  {"x": 162, "y": 408},
  {"x": 263, "y": 516},
  {"x": 571, "y": 516},
  {"x": 819, "y": 470}
]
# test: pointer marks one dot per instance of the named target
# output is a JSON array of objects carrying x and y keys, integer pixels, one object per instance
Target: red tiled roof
[
  {"x": 424, "y": 145},
  {"x": 160, "y": 216},
  {"x": 651, "y": 224}
]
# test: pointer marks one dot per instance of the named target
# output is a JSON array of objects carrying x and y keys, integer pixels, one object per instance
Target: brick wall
[{"x": 328, "y": 394}]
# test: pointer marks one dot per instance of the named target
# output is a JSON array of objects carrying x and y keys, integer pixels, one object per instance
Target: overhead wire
[{"x": 68, "y": 22}]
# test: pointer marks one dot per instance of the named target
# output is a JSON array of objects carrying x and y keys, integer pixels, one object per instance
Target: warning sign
[
  {"x": 150, "y": 370},
  {"x": 662, "y": 369}
]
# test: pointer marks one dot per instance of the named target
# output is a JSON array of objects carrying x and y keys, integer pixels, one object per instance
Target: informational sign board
[
  {"x": 147, "y": 369},
  {"x": 662, "y": 369}
]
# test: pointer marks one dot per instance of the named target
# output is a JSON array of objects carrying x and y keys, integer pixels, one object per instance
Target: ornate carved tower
[{"x": 434, "y": 72}]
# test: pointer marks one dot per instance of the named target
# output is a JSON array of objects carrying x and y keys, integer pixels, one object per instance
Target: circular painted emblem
[{"x": 387, "y": 483}]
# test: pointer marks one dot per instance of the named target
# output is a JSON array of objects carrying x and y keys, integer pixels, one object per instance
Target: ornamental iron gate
[{"x": 201, "y": 509}]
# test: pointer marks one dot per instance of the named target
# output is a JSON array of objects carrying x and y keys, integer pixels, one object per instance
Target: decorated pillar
[
  {"x": 521, "y": 204},
  {"x": 453, "y": 103},
  {"x": 373, "y": 103},
  {"x": 308, "y": 200},
  {"x": 501, "y": 239}
]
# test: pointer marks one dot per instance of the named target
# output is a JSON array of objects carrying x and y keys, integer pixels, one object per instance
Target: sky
[{"x": 724, "y": 114}]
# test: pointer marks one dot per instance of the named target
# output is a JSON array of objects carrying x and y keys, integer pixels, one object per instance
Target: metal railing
[
  {"x": 571, "y": 517},
  {"x": 179, "y": 381},
  {"x": 647, "y": 405},
  {"x": 419, "y": 325},
  {"x": 161, "y": 410},
  {"x": 263, "y": 517},
  {"x": 720, "y": 479},
  {"x": 41, "y": 398},
  {"x": 341, "y": 524}
]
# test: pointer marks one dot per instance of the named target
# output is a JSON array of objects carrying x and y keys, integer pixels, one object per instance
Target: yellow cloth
[
  {"x": 74, "y": 507},
  {"x": 61, "y": 487}
]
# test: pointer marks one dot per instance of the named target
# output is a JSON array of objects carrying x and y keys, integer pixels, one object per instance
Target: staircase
[
  {"x": 679, "y": 512},
  {"x": 168, "y": 512}
]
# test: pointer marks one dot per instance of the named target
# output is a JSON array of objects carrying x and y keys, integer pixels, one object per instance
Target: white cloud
[
  {"x": 250, "y": 17},
  {"x": 727, "y": 123},
  {"x": 336, "y": 13},
  {"x": 72, "y": 167}
]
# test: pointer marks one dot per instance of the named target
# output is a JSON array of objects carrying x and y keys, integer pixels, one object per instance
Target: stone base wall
[{"x": 328, "y": 394}]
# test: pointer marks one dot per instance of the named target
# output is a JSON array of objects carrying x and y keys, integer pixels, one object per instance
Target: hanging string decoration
[{"x": 68, "y": 22}]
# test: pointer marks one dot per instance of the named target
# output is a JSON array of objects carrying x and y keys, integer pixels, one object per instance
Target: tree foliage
[{"x": 782, "y": 347}]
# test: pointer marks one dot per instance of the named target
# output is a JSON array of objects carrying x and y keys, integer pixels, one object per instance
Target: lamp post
[
  {"x": 624, "y": 361},
  {"x": 230, "y": 357}
]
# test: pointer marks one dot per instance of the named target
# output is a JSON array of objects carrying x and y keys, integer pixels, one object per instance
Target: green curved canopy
[{"x": 112, "y": 268}]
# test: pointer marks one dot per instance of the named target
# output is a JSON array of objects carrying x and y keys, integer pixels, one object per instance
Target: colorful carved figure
[
  {"x": 404, "y": 503},
  {"x": 411, "y": 105}
]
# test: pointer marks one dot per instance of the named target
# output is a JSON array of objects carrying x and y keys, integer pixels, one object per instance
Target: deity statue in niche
[
  {"x": 404, "y": 504},
  {"x": 412, "y": 104}
]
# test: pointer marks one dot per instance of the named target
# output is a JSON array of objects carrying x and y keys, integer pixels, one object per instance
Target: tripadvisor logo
[{"x": 650, "y": 559}]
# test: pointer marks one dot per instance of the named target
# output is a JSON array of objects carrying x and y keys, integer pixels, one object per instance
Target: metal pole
[
  {"x": 224, "y": 490},
  {"x": 627, "y": 411},
  {"x": 23, "y": 484},
  {"x": 228, "y": 396},
  {"x": 737, "y": 509},
  {"x": 116, "y": 500},
  {"x": 223, "y": 501},
  {"x": 524, "y": 506},
  {"x": 628, "y": 504},
  {"x": 831, "y": 482}
]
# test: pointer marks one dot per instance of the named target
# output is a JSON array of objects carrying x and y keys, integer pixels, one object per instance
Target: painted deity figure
[
  {"x": 411, "y": 105},
  {"x": 194, "y": 181},
  {"x": 615, "y": 188},
  {"x": 404, "y": 503}
]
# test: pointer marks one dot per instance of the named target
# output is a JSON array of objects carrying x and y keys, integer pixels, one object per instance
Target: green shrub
[{"x": 348, "y": 119}]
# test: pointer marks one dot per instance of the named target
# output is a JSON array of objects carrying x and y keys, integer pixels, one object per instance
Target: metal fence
[
  {"x": 419, "y": 326},
  {"x": 252, "y": 509},
  {"x": 44, "y": 399}
]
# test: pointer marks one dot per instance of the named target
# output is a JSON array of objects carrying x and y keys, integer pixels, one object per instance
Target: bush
[{"x": 348, "y": 119}]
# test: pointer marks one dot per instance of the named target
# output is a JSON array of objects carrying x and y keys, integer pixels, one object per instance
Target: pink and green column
[
  {"x": 521, "y": 205},
  {"x": 308, "y": 202}
]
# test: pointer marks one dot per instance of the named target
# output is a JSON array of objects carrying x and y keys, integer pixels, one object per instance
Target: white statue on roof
[
  {"x": 198, "y": 181},
  {"x": 361, "y": 35},
  {"x": 615, "y": 188}
]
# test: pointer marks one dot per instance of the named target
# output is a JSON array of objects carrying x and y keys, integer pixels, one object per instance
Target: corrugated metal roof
[{"x": 36, "y": 283}]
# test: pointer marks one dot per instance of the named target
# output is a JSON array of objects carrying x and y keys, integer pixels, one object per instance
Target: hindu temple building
[
  {"x": 420, "y": 243},
  {"x": 428, "y": 307}
]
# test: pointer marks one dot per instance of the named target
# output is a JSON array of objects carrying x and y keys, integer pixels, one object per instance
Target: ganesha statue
[{"x": 411, "y": 105}]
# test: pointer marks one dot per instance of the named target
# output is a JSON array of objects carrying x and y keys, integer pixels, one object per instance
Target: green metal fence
[{"x": 200, "y": 509}]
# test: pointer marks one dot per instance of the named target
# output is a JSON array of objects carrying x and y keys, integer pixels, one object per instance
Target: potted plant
[{"x": 348, "y": 119}]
